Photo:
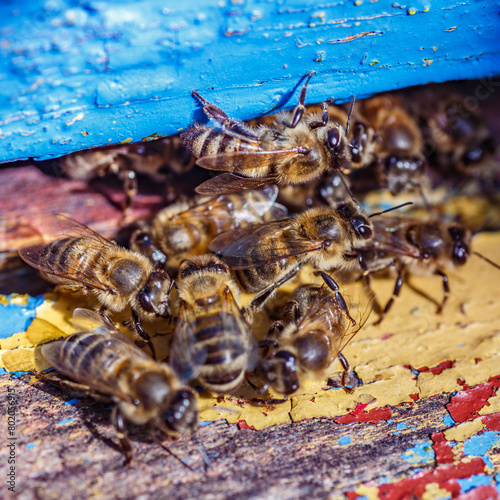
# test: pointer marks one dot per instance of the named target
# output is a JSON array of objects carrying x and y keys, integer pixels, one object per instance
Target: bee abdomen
[
  {"x": 63, "y": 254},
  {"x": 206, "y": 141},
  {"x": 87, "y": 352},
  {"x": 219, "y": 337}
]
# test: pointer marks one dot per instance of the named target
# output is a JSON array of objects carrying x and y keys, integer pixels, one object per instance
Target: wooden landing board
[{"x": 426, "y": 419}]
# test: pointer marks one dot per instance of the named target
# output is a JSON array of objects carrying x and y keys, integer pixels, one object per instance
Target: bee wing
[
  {"x": 249, "y": 247},
  {"x": 85, "y": 320},
  {"x": 230, "y": 183},
  {"x": 242, "y": 161},
  {"x": 186, "y": 358},
  {"x": 386, "y": 237},
  {"x": 72, "y": 269},
  {"x": 254, "y": 204},
  {"x": 234, "y": 320},
  {"x": 71, "y": 357}
]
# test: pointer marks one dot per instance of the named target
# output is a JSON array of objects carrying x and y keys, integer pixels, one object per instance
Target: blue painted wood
[{"x": 76, "y": 74}]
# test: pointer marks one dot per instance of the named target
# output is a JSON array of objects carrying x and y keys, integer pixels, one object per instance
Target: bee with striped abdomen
[
  {"x": 102, "y": 361},
  {"x": 265, "y": 256},
  {"x": 81, "y": 260},
  {"x": 184, "y": 230},
  {"x": 212, "y": 340},
  {"x": 309, "y": 343},
  {"x": 295, "y": 149}
]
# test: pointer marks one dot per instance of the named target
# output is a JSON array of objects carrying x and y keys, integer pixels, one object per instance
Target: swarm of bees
[{"x": 287, "y": 199}]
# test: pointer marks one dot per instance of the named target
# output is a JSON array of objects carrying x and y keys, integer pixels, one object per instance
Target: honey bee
[
  {"x": 212, "y": 339},
  {"x": 183, "y": 229},
  {"x": 265, "y": 256},
  {"x": 85, "y": 262},
  {"x": 457, "y": 138},
  {"x": 308, "y": 345},
  {"x": 102, "y": 361},
  {"x": 412, "y": 246},
  {"x": 295, "y": 149},
  {"x": 153, "y": 158},
  {"x": 386, "y": 139}
]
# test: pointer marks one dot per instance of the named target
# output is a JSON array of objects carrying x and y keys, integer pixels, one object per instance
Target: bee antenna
[
  {"x": 170, "y": 452},
  {"x": 349, "y": 192},
  {"x": 353, "y": 100},
  {"x": 494, "y": 264},
  {"x": 391, "y": 209},
  {"x": 424, "y": 198}
]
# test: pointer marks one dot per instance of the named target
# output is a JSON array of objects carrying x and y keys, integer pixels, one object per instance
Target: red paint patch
[
  {"x": 480, "y": 493},
  {"x": 375, "y": 415},
  {"x": 436, "y": 370},
  {"x": 243, "y": 425},
  {"x": 445, "y": 477},
  {"x": 492, "y": 421},
  {"x": 386, "y": 336},
  {"x": 442, "y": 449},
  {"x": 465, "y": 404},
  {"x": 352, "y": 495},
  {"x": 414, "y": 396},
  {"x": 445, "y": 365}
]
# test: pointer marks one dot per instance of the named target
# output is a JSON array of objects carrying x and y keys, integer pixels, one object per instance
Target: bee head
[
  {"x": 401, "y": 172},
  {"x": 475, "y": 154},
  {"x": 461, "y": 244},
  {"x": 202, "y": 263},
  {"x": 181, "y": 416},
  {"x": 352, "y": 216},
  {"x": 153, "y": 298},
  {"x": 337, "y": 147},
  {"x": 281, "y": 372},
  {"x": 142, "y": 242},
  {"x": 358, "y": 142}
]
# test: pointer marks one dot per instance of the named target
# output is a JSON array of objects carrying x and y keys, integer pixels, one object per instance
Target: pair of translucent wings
[
  {"x": 389, "y": 237},
  {"x": 71, "y": 266},
  {"x": 254, "y": 205},
  {"x": 61, "y": 354},
  {"x": 259, "y": 244}
]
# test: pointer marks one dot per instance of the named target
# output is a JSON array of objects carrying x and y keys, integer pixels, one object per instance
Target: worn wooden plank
[
  {"x": 76, "y": 75},
  {"x": 64, "y": 450}
]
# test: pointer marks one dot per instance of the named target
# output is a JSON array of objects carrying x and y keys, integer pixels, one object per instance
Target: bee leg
[
  {"x": 143, "y": 334},
  {"x": 260, "y": 299},
  {"x": 121, "y": 434},
  {"x": 300, "y": 109},
  {"x": 231, "y": 127},
  {"x": 325, "y": 115},
  {"x": 345, "y": 367},
  {"x": 395, "y": 294},
  {"x": 270, "y": 340},
  {"x": 446, "y": 289},
  {"x": 368, "y": 282},
  {"x": 338, "y": 296},
  {"x": 292, "y": 311}
]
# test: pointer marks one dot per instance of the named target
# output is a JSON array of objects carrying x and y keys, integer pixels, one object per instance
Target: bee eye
[
  {"x": 362, "y": 229},
  {"x": 334, "y": 138},
  {"x": 145, "y": 300}
]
